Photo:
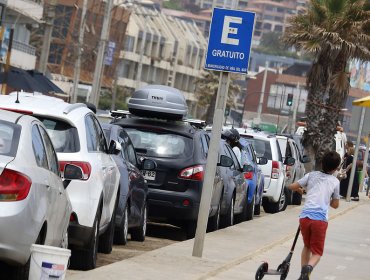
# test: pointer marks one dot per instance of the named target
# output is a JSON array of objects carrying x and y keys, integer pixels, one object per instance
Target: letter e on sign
[{"x": 227, "y": 29}]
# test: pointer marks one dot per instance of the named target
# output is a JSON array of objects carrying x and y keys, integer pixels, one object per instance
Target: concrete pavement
[{"x": 236, "y": 252}]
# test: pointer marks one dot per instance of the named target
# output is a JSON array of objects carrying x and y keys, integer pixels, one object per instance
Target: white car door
[
  {"x": 110, "y": 169},
  {"x": 61, "y": 206},
  {"x": 47, "y": 191}
]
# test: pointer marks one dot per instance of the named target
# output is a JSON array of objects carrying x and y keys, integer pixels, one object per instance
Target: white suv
[
  {"x": 78, "y": 138},
  {"x": 267, "y": 146},
  {"x": 295, "y": 170}
]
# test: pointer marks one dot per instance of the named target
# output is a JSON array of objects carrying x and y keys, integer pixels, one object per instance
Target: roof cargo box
[{"x": 156, "y": 101}]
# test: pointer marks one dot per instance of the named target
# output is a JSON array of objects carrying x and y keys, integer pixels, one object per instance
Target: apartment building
[
  {"x": 273, "y": 16},
  {"x": 23, "y": 16},
  {"x": 161, "y": 49},
  {"x": 64, "y": 42},
  {"x": 227, "y": 4}
]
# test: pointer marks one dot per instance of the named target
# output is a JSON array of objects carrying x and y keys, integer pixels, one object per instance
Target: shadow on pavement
[{"x": 165, "y": 231}]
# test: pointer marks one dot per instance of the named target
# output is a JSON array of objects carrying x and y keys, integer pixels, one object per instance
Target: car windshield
[
  {"x": 160, "y": 144},
  {"x": 261, "y": 147},
  {"x": 63, "y": 135},
  {"x": 9, "y": 138}
]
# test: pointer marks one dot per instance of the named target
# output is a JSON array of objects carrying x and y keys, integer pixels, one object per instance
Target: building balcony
[
  {"x": 30, "y": 10},
  {"x": 22, "y": 55}
]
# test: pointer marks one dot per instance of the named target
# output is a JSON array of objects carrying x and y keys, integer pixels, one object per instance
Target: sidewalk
[{"x": 236, "y": 252}]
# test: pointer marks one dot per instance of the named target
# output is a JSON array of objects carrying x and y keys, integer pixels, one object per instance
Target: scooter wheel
[{"x": 262, "y": 269}]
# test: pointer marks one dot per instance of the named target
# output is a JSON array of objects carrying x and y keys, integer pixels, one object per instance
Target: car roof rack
[
  {"x": 196, "y": 123},
  {"x": 120, "y": 114}
]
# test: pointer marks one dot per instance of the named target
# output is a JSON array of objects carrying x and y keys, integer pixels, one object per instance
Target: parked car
[
  {"x": 295, "y": 170},
  {"x": 180, "y": 150},
  {"x": 79, "y": 139},
  {"x": 267, "y": 146},
  {"x": 132, "y": 209},
  {"x": 34, "y": 204},
  {"x": 253, "y": 174}
]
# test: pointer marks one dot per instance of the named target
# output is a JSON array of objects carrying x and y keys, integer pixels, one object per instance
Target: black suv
[{"x": 180, "y": 150}]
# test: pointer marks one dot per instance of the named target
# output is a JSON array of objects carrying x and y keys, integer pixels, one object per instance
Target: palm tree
[
  {"x": 334, "y": 32},
  {"x": 206, "y": 92}
]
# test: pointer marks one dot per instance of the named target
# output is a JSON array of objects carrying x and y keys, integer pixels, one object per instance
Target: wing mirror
[
  {"x": 248, "y": 168},
  {"x": 72, "y": 172},
  {"x": 148, "y": 164},
  {"x": 306, "y": 159},
  {"x": 262, "y": 160},
  {"x": 114, "y": 147},
  {"x": 289, "y": 161},
  {"x": 225, "y": 161}
]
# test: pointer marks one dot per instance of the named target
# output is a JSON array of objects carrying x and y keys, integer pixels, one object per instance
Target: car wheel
[
  {"x": 121, "y": 232},
  {"x": 275, "y": 207},
  {"x": 250, "y": 208},
  {"x": 296, "y": 198},
  {"x": 257, "y": 207},
  {"x": 138, "y": 234},
  {"x": 85, "y": 259},
  {"x": 283, "y": 203},
  {"x": 190, "y": 227},
  {"x": 22, "y": 272},
  {"x": 214, "y": 221},
  {"x": 227, "y": 220}
]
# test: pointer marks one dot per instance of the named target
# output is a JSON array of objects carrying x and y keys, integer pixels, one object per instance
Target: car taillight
[
  {"x": 14, "y": 186},
  {"x": 275, "y": 170},
  {"x": 85, "y": 166},
  {"x": 248, "y": 175},
  {"x": 193, "y": 173}
]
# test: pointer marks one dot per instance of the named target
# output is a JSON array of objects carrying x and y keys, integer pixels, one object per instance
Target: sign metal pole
[{"x": 212, "y": 158}]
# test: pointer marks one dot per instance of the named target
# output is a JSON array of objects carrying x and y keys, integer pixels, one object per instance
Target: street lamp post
[{"x": 260, "y": 104}]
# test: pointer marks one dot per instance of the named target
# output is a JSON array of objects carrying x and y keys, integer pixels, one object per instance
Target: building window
[
  {"x": 55, "y": 54},
  {"x": 267, "y": 26},
  {"x": 129, "y": 43},
  {"x": 278, "y": 28}
]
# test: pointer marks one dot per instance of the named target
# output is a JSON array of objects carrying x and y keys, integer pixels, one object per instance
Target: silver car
[{"x": 34, "y": 205}]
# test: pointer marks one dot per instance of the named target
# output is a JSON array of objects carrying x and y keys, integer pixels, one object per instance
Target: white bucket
[{"x": 48, "y": 262}]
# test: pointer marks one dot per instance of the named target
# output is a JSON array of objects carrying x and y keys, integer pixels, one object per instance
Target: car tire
[
  {"x": 106, "y": 239},
  {"x": 214, "y": 221},
  {"x": 121, "y": 232},
  {"x": 250, "y": 209},
  {"x": 275, "y": 207},
  {"x": 257, "y": 207},
  {"x": 22, "y": 272},
  {"x": 227, "y": 220},
  {"x": 296, "y": 198},
  {"x": 190, "y": 227},
  {"x": 138, "y": 234},
  {"x": 85, "y": 259}
]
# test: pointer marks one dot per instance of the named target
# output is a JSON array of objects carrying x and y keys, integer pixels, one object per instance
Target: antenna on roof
[{"x": 17, "y": 100}]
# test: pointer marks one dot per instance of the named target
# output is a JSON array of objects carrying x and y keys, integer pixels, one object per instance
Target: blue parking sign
[{"x": 230, "y": 41}]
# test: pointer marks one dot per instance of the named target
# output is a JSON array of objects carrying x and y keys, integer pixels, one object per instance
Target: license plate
[{"x": 148, "y": 175}]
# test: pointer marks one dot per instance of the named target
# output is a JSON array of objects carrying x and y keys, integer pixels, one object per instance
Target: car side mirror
[
  {"x": 306, "y": 159},
  {"x": 114, "y": 147},
  {"x": 289, "y": 161},
  {"x": 225, "y": 161},
  {"x": 72, "y": 172},
  {"x": 248, "y": 168},
  {"x": 262, "y": 160},
  {"x": 148, "y": 164}
]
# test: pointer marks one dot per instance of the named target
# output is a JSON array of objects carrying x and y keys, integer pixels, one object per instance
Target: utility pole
[
  {"x": 262, "y": 97},
  {"x": 49, "y": 21},
  {"x": 98, "y": 73},
  {"x": 76, "y": 74},
  {"x": 295, "y": 108}
]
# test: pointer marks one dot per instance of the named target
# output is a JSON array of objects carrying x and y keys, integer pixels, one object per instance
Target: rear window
[
  {"x": 63, "y": 135},
  {"x": 261, "y": 147},
  {"x": 160, "y": 144},
  {"x": 9, "y": 138}
]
